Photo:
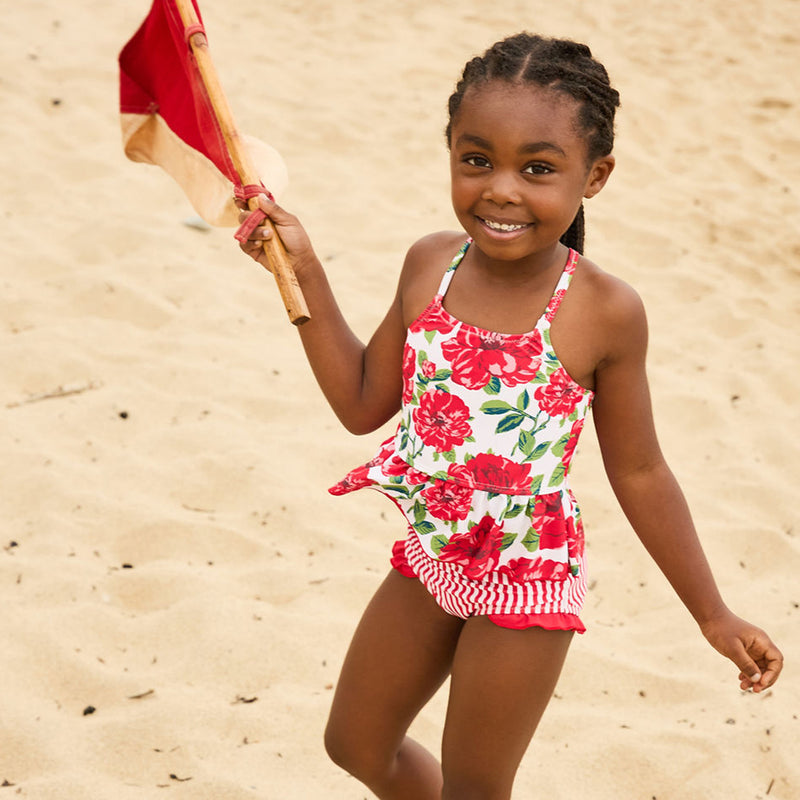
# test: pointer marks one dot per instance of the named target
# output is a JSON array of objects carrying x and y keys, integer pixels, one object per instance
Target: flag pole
[{"x": 280, "y": 265}]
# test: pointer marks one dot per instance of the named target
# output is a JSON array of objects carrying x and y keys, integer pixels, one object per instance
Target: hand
[
  {"x": 758, "y": 659},
  {"x": 291, "y": 232}
]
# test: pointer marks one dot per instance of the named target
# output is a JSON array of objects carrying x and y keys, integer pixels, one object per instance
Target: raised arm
[
  {"x": 363, "y": 384},
  {"x": 652, "y": 500}
]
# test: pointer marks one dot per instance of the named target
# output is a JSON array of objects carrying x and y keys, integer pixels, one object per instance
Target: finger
[
  {"x": 262, "y": 233},
  {"x": 774, "y": 665},
  {"x": 748, "y": 669}
]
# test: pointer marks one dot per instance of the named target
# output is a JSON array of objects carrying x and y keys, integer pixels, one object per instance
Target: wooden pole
[{"x": 280, "y": 265}]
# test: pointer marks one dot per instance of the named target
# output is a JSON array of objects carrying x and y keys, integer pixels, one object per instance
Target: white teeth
[{"x": 502, "y": 226}]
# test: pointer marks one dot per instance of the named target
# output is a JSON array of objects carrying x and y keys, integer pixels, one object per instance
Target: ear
[{"x": 598, "y": 175}]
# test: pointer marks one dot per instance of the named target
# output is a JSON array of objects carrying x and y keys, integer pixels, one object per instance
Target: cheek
[{"x": 462, "y": 193}]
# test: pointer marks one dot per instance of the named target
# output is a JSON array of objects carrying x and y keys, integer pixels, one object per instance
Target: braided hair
[{"x": 563, "y": 66}]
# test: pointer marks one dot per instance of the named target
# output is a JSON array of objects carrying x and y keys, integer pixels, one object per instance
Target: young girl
[{"x": 499, "y": 339}]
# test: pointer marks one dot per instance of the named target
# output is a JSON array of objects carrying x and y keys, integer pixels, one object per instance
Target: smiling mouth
[{"x": 504, "y": 227}]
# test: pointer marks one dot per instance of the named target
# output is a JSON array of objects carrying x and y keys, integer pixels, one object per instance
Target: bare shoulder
[
  {"x": 425, "y": 263},
  {"x": 602, "y": 320},
  {"x": 617, "y": 300}
]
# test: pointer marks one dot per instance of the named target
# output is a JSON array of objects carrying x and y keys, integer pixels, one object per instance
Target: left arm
[{"x": 653, "y": 502}]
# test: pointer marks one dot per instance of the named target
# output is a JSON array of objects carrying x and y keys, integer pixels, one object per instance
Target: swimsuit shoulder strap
[
  {"x": 562, "y": 286},
  {"x": 451, "y": 270}
]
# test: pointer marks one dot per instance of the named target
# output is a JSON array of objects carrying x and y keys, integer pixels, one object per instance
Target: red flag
[{"x": 167, "y": 117}]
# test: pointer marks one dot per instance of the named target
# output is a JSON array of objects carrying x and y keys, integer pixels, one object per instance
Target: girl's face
[{"x": 519, "y": 168}]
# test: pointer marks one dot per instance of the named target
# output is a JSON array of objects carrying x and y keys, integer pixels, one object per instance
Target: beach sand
[{"x": 169, "y": 556}]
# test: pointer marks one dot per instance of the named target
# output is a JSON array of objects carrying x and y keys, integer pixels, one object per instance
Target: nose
[{"x": 502, "y": 187}]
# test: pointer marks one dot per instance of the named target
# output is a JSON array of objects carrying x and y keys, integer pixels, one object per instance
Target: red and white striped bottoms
[{"x": 550, "y": 604}]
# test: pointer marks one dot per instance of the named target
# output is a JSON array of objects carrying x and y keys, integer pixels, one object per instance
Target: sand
[{"x": 169, "y": 556}]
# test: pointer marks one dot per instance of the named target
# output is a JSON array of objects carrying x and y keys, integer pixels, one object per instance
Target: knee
[{"x": 353, "y": 753}]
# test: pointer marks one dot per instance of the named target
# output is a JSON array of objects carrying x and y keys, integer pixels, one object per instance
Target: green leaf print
[
  {"x": 493, "y": 387},
  {"x": 422, "y": 357},
  {"x": 429, "y": 335},
  {"x": 526, "y": 443},
  {"x": 531, "y": 540},
  {"x": 424, "y": 527},
  {"x": 560, "y": 445},
  {"x": 449, "y": 455},
  {"x": 536, "y": 484},
  {"x": 514, "y": 511},
  {"x": 437, "y": 543},
  {"x": 508, "y": 540},
  {"x": 442, "y": 375},
  {"x": 539, "y": 451},
  {"x": 496, "y": 407},
  {"x": 558, "y": 476},
  {"x": 523, "y": 401},
  {"x": 419, "y": 513},
  {"x": 510, "y": 422}
]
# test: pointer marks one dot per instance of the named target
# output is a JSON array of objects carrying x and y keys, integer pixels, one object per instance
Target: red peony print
[
  {"x": 554, "y": 304},
  {"x": 575, "y": 536},
  {"x": 478, "y": 356},
  {"x": 523, "y": 570},
  {"x": 478, "y": 551},
  {"x": 442, "y": 420},
  {"x": 448, "y": 500},
  {"x": 434, "y": 318},
  {"x": 355, "y": 479},
  {"x": 572, "y": 442},
  {"x": 395, "y": 466},
  {"x": 499, "y": 474},
  {"x": 548, "y": 519},
  {"x": 560, "y": 395},
  {"x": 461, "y": 475},
  {"x": 428, "y": 369},
  {"x": 409, "y": 367}
]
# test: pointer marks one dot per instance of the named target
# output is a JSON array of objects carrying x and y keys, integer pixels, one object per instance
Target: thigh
[
  {"x": 501, "y": 683},
  {"x": 400, "y": 654}
]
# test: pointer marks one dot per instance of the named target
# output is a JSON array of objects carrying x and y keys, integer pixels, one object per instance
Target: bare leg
[
  {"x": 502, "y": 681},
  {"x": 400, "y": 655}
]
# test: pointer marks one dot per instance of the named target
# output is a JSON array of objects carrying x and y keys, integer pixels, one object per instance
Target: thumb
[{"x": 748, "y": 668}]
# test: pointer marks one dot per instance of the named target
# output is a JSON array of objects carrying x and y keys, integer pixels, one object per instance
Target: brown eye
[{"x": 538, "y": 169}]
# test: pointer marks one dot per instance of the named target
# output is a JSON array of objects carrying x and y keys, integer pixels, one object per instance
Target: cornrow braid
[{"x": 558, "y": 64}]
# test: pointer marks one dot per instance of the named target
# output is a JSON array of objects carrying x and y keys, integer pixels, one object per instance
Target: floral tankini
[{"x": 479, "y": 467}]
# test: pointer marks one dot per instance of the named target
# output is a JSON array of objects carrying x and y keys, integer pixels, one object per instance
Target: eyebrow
[{"x": 531, "y": 147}]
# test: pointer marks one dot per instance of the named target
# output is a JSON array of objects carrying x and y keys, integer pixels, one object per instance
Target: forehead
[{"x": 520, "y": 112}]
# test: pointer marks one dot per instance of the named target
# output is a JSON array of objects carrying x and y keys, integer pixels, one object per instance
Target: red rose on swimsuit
[
  {"x": 555, "y": 303},
  {"x": 442, "y": 420},
  {"x": 575, "y": 534},
  {"x": 428, "y": 369},
  {"x": 560, "y": 395},
  {"x": 409, "y": 365},
  {"x": 526, "y": 569},
  {"x": 396, "y": 466},
  {"x": 478, "y": 356},
  {"x": 569, "y": 449},
  {"x": 435, "y": 319},
  {"x": 500, "y": 473},
  {"x": 477, "y": 551},
  {"x": 448, "y": 500},
  {"x": 548, "y": 519},
  {"x": 355, "y": 479}
]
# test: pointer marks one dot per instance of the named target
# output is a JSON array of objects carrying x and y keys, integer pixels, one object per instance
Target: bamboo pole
[{"x": 280, "y": 265}]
